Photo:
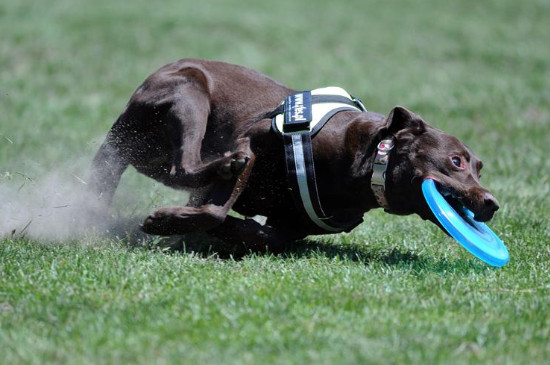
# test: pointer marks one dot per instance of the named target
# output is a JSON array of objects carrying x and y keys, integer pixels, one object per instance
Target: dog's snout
[
  {"x": 487, "y": 207},
  {"x": 491, "y": 202}
]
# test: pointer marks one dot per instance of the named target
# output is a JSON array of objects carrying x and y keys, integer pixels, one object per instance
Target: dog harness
[{"x": 298, "y": 119}]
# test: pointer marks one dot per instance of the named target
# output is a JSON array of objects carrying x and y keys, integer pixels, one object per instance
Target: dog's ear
[{"x": 402, "y": 121}]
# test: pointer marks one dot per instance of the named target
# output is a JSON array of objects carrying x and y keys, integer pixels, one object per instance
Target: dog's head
[{"x": 421, "y": 152}]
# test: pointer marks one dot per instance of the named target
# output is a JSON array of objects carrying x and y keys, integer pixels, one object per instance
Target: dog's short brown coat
[{"x": 200, "y": 125}]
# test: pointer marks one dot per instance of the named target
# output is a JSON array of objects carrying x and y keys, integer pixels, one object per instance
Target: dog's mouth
[
  {"x": 455, "y": 200},
  {"x": 465, "y": 205}
]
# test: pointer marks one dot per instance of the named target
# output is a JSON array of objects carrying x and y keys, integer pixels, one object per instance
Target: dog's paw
[
  {"x": 158, "y": 223},
  {"x": 233, "y": 164}
]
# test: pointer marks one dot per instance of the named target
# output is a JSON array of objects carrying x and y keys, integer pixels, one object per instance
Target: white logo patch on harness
[{"x": 297, "y": 112}]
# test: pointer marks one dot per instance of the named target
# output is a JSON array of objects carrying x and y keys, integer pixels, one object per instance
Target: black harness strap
[{"x": 327, "y": 117}]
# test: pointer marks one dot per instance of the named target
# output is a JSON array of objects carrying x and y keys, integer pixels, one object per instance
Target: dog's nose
[{"x": 491, "y": 202}]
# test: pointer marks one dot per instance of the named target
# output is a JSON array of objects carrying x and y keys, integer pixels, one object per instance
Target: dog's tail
[{"x": 107, "y": 167}]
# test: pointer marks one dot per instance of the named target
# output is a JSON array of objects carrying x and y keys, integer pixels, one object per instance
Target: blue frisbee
[{"x": 474, "y": 236}]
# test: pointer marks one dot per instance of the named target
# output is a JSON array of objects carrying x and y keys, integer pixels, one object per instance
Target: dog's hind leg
[
  {"x": 207, "y": 211},
  {"x": 188, "y": 117}
]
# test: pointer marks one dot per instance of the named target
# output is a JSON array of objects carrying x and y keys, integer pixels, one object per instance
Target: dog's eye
[{"x": 457, "y": 161}]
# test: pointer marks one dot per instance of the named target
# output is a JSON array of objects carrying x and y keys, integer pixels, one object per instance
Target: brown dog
[{"x": 206, "y": 127}]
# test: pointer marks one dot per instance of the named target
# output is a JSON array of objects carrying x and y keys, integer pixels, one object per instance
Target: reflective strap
[{"x": 302, "y": 180}]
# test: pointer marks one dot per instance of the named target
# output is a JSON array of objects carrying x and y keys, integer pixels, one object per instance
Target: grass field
[{"x": 395, "y": 290}]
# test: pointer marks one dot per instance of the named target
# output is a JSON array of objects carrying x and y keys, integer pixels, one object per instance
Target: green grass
[{"x": 395, "y": 290}]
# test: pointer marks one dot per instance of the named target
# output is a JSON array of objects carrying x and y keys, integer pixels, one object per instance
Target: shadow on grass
[
  {"x": 315, "y": 248},
  {"x": 203, "y": 245},
  {"x": 395, "y": 256}
]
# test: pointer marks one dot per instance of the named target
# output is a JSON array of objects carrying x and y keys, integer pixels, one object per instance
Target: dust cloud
[{"x": 57, "y": 206}]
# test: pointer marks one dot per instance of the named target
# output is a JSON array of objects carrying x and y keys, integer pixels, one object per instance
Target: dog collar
[
  {"x": 298, "y": 119},
  {"x": 380, "y": 165}
]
